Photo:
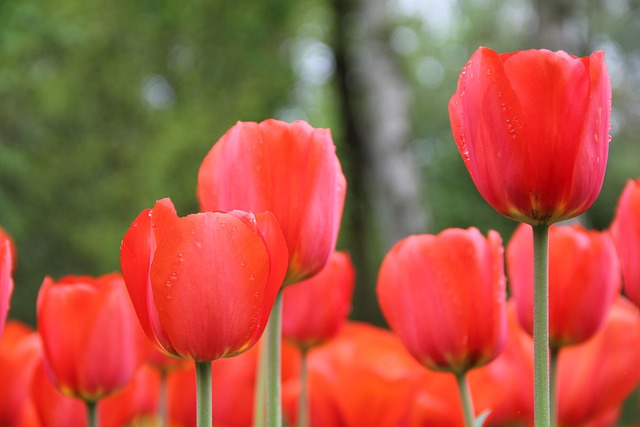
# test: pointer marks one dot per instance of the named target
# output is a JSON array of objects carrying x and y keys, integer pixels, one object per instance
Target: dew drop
[
  {"x": 252, "y": 277},
  {"x": 168, "y": 283},
  {"x": 242, "y": 262},
  {"x": 168, "y": 296},
  {"x": 180, "y": 257},
  {"x": 198, "y": 244},
  {"x": 596, "y": 137}
]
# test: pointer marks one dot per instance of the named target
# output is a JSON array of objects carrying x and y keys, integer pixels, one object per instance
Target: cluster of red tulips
[{"x": 258, "y": 264}]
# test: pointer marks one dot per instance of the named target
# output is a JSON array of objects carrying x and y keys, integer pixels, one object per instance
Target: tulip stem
[
  {"x": 92, "y": 413},
  {"x": 203, "y": 394},
  {"x": 541, "y": 402},
  {"x": 465, "y": 397},
  {"x": 554, "y": 386},
  {"x": 162, "y": 399},
  {"x": 303, "y": 401},
  {"x": 273, "y": 343},
  {"x": 260, "y": 391}
]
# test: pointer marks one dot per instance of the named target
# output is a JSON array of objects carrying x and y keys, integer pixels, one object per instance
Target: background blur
[{"x": 107, "y": 106}]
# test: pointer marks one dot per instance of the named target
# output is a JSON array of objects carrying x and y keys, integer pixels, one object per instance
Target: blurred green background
[{"x": 107, "y": 106}]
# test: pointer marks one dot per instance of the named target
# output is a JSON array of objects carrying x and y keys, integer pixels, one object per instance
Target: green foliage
[{"x": 106, "y": 107}]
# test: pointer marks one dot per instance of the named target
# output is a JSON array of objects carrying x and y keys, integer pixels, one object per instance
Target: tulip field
[{"x": 237, "y": 315}]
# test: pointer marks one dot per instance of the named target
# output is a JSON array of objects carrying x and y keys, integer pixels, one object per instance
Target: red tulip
[
  {"x": 203, "y": 285},
  {"x": 288, "y": 169},
  {"x": 92, "y": 341},
  {"x": 626, "y": 234},
  {"x": 315, "y": 309},
  {"x": 363, "y": 377},
  {"x": 20, "y": 351},
  {"x": 594, "y": 378},
  {"x": 7, "y": 263},
  {"x": 533, "y": 130},
  {"x": 584, "y": 278},
  {"x": 444, "y": 296}
]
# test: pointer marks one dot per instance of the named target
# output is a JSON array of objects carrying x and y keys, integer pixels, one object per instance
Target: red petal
[{"x": 136, "y": 254}]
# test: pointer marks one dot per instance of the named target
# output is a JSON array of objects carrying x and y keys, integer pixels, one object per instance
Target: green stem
[
  {"x": 92, "y": 413},
  {"x": 541, "y": 402},
  {"x": 162, "y": 400},
  {"x": 273, "y": 342},
  {"x": 203, "y": 394},
  {"x": 259, "y": 393},
  {"x": 465, "y": 397},
  {"x": 554, "y": 386},
  {"x": 303, "y": 400}
]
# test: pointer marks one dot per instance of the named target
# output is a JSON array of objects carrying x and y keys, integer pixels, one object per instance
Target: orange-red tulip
[
  {"x": 626, "y": 234},
  {"x": 7, "y": 262},
  {"x": 363, "y": 377},
  {"x": 444, "y": 295},
  {"x": 20, "y": 351},
  {"x": 203, "y": 285},
  {"x": 93, "y": 343},
  {"x": 315, "y": 309},
  {"x": 290, "y": 170},
  {"x": 584, "y": 278},
  {"x": 594, "y": 378},
  {"x": 533, "y": 129}
]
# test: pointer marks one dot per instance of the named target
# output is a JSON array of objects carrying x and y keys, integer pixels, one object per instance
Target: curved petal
[{"x": 136, "y": 254}]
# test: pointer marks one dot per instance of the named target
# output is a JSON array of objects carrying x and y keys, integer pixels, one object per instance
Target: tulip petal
[{"x": 136, "y": 254}]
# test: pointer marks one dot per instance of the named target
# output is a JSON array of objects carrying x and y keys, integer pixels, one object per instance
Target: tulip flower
[
  {"x": 444, "y": 296},
  {"x": 315, "y": 309},
  {"x": 203, "y": 285},
  {"x": 20, "y": 351},
  {"x": 533, "y": 130},
  {"x": 292, "y": 171},
  {"x": 7, "y": 263},
  {"x": 92, "y": 341},
  {"x": 363, "y": 377},
  {"x": 594, "y": 378},
  {"x": 584, "y": 279},
  {"x": 626, "y": 234}
]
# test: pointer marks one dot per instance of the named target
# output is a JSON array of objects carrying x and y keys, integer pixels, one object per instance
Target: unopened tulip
[
  {"x": 626, "y": 234},
  {"x": 93, "y": 343},
  {"x": 290, "y": 170},
  {"x": 584, "y": 279},
  {"x": 533, "y": 130},
  {"x": 315, "y": 309},
  {"x": 444, "y": 295},
  {"x": 203, "y": 285}
]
